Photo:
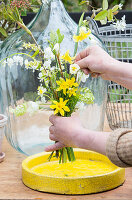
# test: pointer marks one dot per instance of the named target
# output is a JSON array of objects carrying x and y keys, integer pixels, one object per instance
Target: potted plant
[{"x": 7, "y": 23}]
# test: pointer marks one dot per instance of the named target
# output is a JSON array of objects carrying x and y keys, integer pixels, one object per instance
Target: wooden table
[{"x": 11, "y": 186}]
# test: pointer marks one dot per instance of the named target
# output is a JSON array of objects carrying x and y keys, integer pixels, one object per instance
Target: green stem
[
  {"x": 72, "y": 154},
  {"x": 64, "y": 155},
  {"x": 68, "y": 153},
  {"x": 59, "y": 65}
]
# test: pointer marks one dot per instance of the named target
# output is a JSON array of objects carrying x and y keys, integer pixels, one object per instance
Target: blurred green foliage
[{"x": 73, "y": 6}]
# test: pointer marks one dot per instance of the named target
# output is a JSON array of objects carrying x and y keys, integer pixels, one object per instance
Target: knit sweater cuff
[{"x": 111, "y": 147}]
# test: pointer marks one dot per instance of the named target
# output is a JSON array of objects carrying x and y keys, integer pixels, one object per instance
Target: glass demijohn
[{"x": 28, "y": 133}]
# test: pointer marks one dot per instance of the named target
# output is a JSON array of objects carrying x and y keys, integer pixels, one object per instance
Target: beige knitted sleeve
[{"x": 119, "y": 147}]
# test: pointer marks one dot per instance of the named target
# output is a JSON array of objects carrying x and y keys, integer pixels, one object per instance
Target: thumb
[
  {"x": 84, "y": 63},
  {"x": 54, "y": 147}
]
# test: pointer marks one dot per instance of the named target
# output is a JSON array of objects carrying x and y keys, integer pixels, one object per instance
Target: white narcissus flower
[
  {"x": 120, "y": 6},
  {"x": 40, "y": 76},
  {"x": 56, "y": 48},
  {"x": 84, "y": 77},
  {"x": 81, "y": 77},
  {"x": 32, "y": 107},
  {"x": 41, "y": 90},
  {"x": 33, "y": 65},
  {"x": 10, "y": 62},
  {"x": 120, "y": 25},
  {"x": 74, "y": 68}
]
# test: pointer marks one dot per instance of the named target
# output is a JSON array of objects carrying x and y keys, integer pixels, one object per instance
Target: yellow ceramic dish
[{"x": 90, "y": 173}]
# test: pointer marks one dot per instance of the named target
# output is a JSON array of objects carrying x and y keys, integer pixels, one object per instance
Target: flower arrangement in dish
[{"x": 60, "y": 89}]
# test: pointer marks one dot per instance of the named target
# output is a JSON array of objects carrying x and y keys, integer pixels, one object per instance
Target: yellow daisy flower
[
  {"x": 67, "y": 57},
  {"x": 62, "y": 86},
  {"x": 60, "y": 107},
  {"x": 72, "y": 91},
  {"x": 67, "y": 85},
  {"x": 82, "y": 36},
  {"x": 71, "y": 82}
]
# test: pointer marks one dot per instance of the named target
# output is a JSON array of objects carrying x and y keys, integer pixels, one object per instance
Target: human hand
[
  {"x": 64, "y": 130},
  {"x": 96, "y": 61},
  {"x": 69, "y": 132}
]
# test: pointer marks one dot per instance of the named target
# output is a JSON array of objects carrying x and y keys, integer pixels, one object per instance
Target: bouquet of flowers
[{"x": 60, "y": 78}]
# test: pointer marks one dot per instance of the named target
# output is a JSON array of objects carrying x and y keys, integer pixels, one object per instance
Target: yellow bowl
[{"x": 71, "y": 185}]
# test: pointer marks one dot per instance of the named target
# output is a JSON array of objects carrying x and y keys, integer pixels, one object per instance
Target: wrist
[
  {"x": 112, "y": 67},
  {"x": 92, "y": 140}
]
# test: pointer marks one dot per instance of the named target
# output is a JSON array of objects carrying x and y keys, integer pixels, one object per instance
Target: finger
[
  {"x": 52, "y": 137},
  {"x": 86, "y": 71},
  {"x": 54, "y": 147},
  {"x": 52, "y": 129},
  {"x": 84, "y": 63},
  {"x": 52, "y": 119},
  {"x": 82, "y": 54}
]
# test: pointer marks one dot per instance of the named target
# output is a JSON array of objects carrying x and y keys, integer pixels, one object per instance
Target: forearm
[
  {"x": 120, "y": 73},
  {"x": 116, "y": 145},
  {"x": 92, "y": 140}
]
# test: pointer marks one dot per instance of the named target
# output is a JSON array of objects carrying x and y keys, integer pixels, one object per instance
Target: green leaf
[
  {"x": 81, "y": 19},
  {"x": 110, "y": 15},
  {"x": 24, "y": 13},
  {"x": 53, "y": 37},
  {"x": 105, "y": 4},
  {"x": 101, "y": 15},
  {"x": 115, "y": 8},
  {"x": 60, "y": 37},
  {"x": 3, "y": 32},
  {"x": 35, "y": 54},
  {"x": 35, "y": 10},
  {"x": 83, "y": 2}
]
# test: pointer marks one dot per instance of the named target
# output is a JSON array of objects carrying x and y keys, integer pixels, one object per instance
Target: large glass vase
[{"x": 28, "y": 133}]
